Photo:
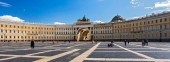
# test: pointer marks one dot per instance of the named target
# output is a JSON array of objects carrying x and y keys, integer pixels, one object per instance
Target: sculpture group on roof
[{"x": 83, "y": 19}]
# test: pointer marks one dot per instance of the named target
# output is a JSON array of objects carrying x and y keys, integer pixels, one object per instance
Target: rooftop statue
[{"x": 83, "y": 19}]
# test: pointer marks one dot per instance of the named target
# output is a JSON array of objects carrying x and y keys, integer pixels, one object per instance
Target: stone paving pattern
[{"x": 97, "y": 52}]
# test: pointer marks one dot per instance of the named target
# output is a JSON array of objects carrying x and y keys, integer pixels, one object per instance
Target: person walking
[
  {"x": 32, "y": 44},
  {"x": 128, "y": 41},
  {"x": 125, "y": 42},
  {"x": 143, "y": 42},
  {"x": 147, "y": 42}
]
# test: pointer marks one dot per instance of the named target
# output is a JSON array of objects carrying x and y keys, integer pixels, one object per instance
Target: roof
[{"x": 116, "y": 18}]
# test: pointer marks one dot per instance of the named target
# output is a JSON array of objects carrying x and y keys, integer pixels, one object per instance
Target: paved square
[{"x": 84, "y": 52}]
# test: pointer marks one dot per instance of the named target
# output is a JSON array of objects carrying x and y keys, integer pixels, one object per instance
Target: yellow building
[{"x": 155, "y": 27}]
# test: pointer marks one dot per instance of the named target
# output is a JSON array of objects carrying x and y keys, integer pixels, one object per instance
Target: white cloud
[
  {"x": 149, "y": 7},
  {"x": 59, "y": 23},
  {"x": 98, "y": 21},
  {"x": 10, "y": 18},
  {"x": 162, "y": 10},
  {"x": 135, "y": 3},
  {"x": 161, "y": 6},
  {"x": 4, "y": 4}
]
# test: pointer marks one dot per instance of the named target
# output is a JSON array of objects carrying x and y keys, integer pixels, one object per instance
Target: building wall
[
  {"x": 25, "y": 32},
  {"x": 65, "y": 32},
  {"x": 154, "y": 27},
  {"x": 103, "y": 31}
]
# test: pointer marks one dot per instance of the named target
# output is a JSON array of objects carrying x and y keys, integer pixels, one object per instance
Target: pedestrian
[
  {"x": 125, "y": 42},
  {"x": 112, "y": 44},
  {"x": 143, "y": 42},
  {"x": 147, "y": 42},
  {"x": 32, "y": 44},
  {"x": 108, "y": 45},
  {"x": 128, "y": 41}
]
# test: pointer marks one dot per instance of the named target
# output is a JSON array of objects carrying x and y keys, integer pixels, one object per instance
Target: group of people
[
  {"x": 111, "y": 44},
  {"x": 144, "y": 43},
  {"x": 32, "y": 44},
  {"x": 125, "y": 41},
  {"x": 67, "y": 41}
]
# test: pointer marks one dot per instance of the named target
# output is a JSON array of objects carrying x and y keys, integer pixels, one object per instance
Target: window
[
  {"x": 1, "y": 30},
  {"x": 6, "y": 31},
  {"x": 1, "y": 36},
  {"x": 156, "y": 21},
  {"x": 1, "y": 25},
  {"x": 165, "y": 26},
  {"x": 148, "y": 22},
  {"x": 152, "y": 21},
  {"x": 165, "y": 19},
  {"x": 160, "y": 20},
  {"x": 160, "y": 26},
  {"x": 165, "y": 34},
  {"x": 9, "y": 31}
]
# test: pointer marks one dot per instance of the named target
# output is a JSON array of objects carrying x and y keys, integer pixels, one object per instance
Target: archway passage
[{"x": 83, "y": 34}]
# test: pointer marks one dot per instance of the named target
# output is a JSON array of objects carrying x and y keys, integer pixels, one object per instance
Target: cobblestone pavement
[{"x": 84, "y": 52}]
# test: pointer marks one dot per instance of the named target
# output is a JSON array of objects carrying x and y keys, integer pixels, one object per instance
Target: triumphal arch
[{"x": 84, "y": 29}]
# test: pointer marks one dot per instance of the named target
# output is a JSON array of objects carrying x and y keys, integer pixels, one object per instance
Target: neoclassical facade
[{"x": 155, "y": 27}]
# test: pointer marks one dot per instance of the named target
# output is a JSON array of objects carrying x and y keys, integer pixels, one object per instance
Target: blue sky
[{"x": 68, "y": 11}]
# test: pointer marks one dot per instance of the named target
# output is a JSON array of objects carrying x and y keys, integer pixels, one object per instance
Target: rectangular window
[
  {"x": 1, "y": 36},
  {"x": 160, "y": 20},
  {"x": 1, "y": 25},
  {"x": 165, "y": 34},
  {"x": 165, "y": 19},
  {"x": 165, "y": 26},
  {"x": 144, "y": 23},
  {"x": 1, "y": 30},
  {"x": 148, "y": 22},
  {"x": 156, "y": 21}
]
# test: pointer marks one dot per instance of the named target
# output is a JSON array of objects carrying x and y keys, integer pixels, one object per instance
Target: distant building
[{"x": 155, "y": 27}]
